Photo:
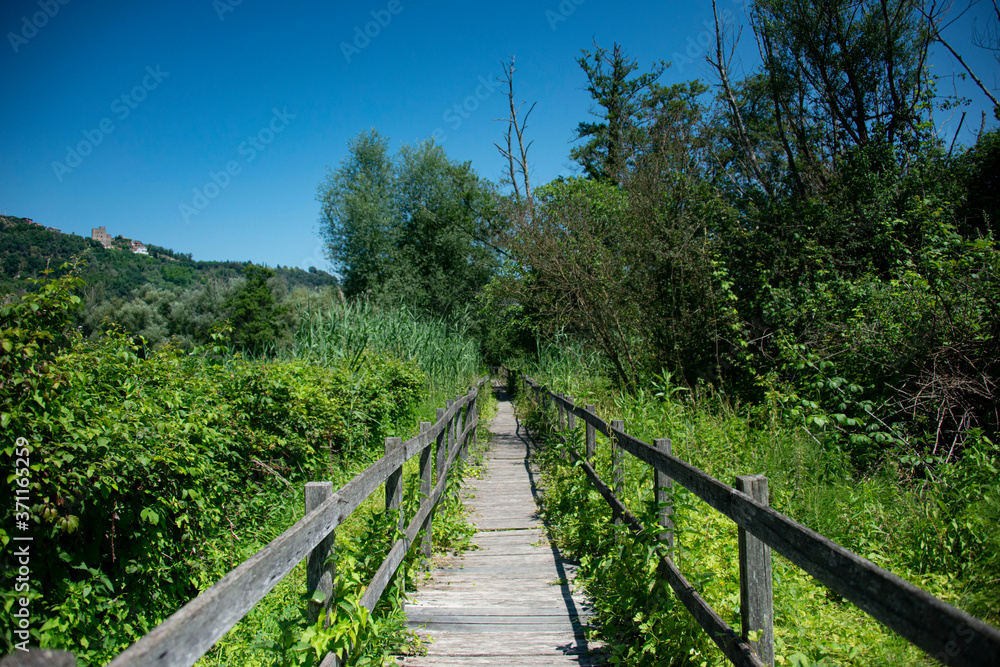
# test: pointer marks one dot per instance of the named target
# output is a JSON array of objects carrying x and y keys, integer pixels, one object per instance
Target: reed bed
[{"x": 341, "y": 333}]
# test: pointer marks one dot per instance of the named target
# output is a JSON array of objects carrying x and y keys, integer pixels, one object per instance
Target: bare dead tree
[
  {"x": 517, "y": 162},
  {"x": 721, "y": 66},
  {"x": 933, "y": 17}
]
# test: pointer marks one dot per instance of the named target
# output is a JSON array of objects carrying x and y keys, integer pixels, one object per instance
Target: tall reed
[{"x": 340, "y": 333}]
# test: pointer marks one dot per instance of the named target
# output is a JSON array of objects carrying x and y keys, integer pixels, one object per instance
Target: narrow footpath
[{"x": 509, "y": 601}]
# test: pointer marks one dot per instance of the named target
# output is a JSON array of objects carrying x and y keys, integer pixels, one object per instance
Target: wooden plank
[
  {"x": 536, "y": 643},
  {"x": 512, "y": 660}
]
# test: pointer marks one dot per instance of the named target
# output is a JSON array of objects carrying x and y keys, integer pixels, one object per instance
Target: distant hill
[{"x": 27, "y": 249}]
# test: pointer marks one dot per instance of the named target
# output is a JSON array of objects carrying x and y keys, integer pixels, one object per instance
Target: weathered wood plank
[
  {"x": 756, "y": 598},
  {"x": 663, "y": 495},
  {"x": 501, "y": 599},
  {"x": 319, "y": 575}
]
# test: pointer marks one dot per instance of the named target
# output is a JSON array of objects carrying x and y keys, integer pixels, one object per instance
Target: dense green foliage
[
  {"x": 254, "y": 314},
  {"x": 342, "y": 333},
  {"x": 936, "y": 533},
  {"x": 802, "y": 234},
  {"x": 407, "y": 229},
  {"x": 145, "y": 472}
]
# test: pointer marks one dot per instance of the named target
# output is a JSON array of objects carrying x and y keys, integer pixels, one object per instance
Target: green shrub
[{"x": 144, "y": 471}]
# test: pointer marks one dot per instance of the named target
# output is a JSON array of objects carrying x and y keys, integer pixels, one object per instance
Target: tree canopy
[{"x": 409, "y": 227}]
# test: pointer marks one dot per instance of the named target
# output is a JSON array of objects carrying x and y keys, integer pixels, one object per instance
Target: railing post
[
  {"x": 474, "y": 420},
  {"x": 756, "y": 601},
  {"x": 561, "y": 410},
  {"x": 461, "y": 417},
  {"x": 394, "y": 482},
  {"x": 570, "y": 417},
  {"x": 591, "y": 435},
  {"x": 663, "y": 495},
  {"x": 425, "y": 491},
  {"x": 441, "y": 450},
  {"x": 617, "y": 474},
  {"x": 545, "y": 407},
  {"x": 451, "y": 428},
  {"x": 319, "y": 575}
]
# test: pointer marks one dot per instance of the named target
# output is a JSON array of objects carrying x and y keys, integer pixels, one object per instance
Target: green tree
[
  {"x": 258, "y": 321},
  {"x": 623, "y": 101},
  {"x": 842, "y": 74},
  {"x": 359, "y": 214},
  {"x": 409, "y": 229}
]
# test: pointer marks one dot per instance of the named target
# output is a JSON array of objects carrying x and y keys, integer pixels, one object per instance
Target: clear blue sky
[{"x": 162, "y": 95}]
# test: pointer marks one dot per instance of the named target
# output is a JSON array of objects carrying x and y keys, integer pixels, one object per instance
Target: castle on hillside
[{"x": 100, "y": 234}]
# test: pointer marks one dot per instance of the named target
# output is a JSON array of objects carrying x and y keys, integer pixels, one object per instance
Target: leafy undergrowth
[
  {"x": 880, "y": 516},
  {"x": 152, "y": 476}
]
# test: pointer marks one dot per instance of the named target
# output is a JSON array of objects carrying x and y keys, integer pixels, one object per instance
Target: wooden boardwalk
[{"x": 509, "y": 601}]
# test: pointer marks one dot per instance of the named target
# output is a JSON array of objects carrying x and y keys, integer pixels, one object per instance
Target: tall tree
[
  {"x": 258, "y": 320},
  {"x": 611, "y": 143},
  {"x": 359, "y": 214},
  {"x": 409, "y": 228},
  {"x": 842, "y": 73}
]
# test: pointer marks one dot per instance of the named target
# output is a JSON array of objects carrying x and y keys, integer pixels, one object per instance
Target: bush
[{"x": 143, "y": 469}]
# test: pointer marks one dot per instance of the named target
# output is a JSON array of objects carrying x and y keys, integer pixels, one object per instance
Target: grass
[
  {"x": 881, "y": 516},
  {"x": 332, "y": 335},
  {"x": 441, "y": 348}
]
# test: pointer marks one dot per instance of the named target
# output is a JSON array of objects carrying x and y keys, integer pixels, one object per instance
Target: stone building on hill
[{"x": 100, "y": 234}]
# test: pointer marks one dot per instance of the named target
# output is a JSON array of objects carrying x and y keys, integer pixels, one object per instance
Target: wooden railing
[
  {"x": 945, "y": 632},
  {"x": 191, "y": 631}
]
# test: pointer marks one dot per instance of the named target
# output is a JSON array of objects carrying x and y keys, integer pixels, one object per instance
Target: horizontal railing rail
[
  {"x": 945, "y": 632},
  {"x": 190, "y": 632}
]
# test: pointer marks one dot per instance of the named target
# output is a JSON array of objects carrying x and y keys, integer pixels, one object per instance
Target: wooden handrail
[
  {"x": 191, "y": 631},
  {"x": 944, "y": 631}
]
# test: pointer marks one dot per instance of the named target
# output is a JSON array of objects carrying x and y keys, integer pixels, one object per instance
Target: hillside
[
  {"x": 27, "y": 248},
  {"x": 161, "y": 295}
]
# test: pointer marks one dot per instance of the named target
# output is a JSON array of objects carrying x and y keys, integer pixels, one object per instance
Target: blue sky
[{"x": 206, "y": 125}]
